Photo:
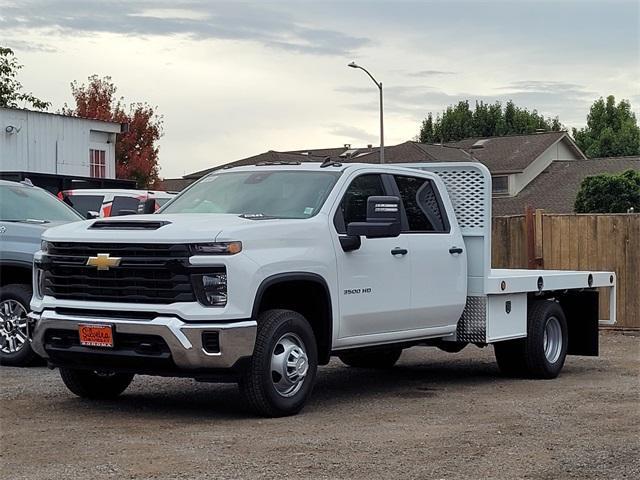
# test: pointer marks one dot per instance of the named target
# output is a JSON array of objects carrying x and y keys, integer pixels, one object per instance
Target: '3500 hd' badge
[{"x": 356, "y": 291}]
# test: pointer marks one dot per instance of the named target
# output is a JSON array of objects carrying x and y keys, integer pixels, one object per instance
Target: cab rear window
[{"x": 84, "y": 203}]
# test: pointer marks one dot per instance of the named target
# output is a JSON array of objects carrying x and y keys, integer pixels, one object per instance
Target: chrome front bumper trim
[{"x": 237, "y": 338}]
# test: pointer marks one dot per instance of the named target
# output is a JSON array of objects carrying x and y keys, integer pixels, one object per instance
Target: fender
[{"x": 324, "y": 351}]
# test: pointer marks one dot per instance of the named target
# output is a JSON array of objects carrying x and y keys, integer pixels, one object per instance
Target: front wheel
[
  {"x": 542, "y": 353},
  {"x": 15, "y": 347},
  {"x": 95, "y": 385},
  {"x": 282, "y": 370}
]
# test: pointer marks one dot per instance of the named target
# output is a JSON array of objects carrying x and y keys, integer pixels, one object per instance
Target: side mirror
[
  {"x": 91, "y": 214},
  {"x": 383, "y": 219}
]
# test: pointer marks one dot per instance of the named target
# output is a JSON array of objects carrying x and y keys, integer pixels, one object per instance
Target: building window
[
  {"x": 500, "y": 184},
  {"x": 97, "y": 163}
]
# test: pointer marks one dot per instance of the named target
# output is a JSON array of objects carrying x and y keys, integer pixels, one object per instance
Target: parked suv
[{"x": 25, "y": 212}]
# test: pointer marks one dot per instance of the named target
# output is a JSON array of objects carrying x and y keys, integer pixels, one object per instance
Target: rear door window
[
  {"x": 84, "y": 203},
  {"x": 422, "y": 205}
]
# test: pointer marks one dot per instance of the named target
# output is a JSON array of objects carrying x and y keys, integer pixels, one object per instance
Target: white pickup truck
[{"x": 259, "y": 274}]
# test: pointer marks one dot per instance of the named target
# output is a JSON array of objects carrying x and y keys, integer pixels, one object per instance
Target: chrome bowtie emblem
[{"x": 102, "y": 261}]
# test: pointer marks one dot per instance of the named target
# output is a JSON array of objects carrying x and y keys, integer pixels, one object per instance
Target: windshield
[
  {"x": 23, "y": 204},
  {"x": 280, "y": 194}
]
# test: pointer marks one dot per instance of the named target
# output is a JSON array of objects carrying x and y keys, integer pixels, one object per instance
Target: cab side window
[
  {"x": 422, "y": 205},
  {"x": 353, "y": 207}
]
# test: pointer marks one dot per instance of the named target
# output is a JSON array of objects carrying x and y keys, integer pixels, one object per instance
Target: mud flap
[{"x": 582, "y": 310}]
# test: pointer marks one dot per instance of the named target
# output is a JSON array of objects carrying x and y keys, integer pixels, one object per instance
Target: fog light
[{"x": 211, "y": 289}]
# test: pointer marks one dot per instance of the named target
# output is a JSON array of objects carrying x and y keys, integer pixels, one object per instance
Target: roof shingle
[{"x": 555, "y": 189}]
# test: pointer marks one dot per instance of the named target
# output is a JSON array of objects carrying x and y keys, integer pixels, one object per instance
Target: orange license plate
[{"x": 96, "y": 335}]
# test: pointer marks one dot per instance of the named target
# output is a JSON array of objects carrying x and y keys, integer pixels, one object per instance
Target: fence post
[{"x": 533, "y": 234}]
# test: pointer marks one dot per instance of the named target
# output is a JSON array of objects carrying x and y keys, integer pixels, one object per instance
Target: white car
[
  {"x": 92, "y": 202},
  {"x": 259, "y": 274}
]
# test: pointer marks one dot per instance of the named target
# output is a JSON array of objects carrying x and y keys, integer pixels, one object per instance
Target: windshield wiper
[
  {"x": 257, "y": 216},
  {"x": 28, "y": 220}
]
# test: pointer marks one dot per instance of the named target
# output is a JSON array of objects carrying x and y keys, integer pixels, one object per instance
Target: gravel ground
[{"x": 435, "y": 415}]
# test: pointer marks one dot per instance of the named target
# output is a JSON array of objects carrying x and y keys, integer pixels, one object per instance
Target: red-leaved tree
[{"x": 137, "y": 149}]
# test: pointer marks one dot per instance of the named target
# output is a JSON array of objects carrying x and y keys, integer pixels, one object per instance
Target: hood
[
  {"x": 154, "y": 228},
  {"x": 20, "y": 240}
]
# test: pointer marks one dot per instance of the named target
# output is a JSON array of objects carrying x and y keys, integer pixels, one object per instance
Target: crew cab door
[
  {"x": 436, "y": 254},
  {"x": 374, "y": 293}
]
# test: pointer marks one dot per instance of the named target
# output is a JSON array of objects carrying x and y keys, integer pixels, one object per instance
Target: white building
[{"x": 39, "y": 142}]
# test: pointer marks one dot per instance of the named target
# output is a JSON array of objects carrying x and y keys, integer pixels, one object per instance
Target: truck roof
[{"x": 306, "y": 166}]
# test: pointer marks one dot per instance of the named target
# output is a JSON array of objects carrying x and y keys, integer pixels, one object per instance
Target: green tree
[
  {"x": 485, "y": 120},
  {"x": 11, "y": 94},
  {"x": 609, "y": 193},
  {"x": 612, "y": 130}
]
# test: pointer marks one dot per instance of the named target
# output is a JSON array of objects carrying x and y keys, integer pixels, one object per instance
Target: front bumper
[{"x": 184, "y": 340}]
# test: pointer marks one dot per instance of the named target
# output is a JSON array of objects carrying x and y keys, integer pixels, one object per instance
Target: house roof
[
  {"x": 270, "y": 156},
  {"x": 407, "y": 152},
  {"x": 119, "y": 126},
  {"x": 555, "y": 189},
  {"x": 175, "y": 184},
  {"x": 509, "y": 154},
  {"x": 513, "y": 153}
]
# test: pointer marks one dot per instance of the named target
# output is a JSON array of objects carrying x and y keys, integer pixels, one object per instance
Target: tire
[
  {"x": 15, "y": 347},
  {"x": 268, "y": 385},
  {"x": 93, "y": 385},
  {"x": 378, "y": 358},
  {"x": 543, "y": 352}
]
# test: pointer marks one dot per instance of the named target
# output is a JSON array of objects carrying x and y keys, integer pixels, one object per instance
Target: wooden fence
[{"x": 609, "y": 242}]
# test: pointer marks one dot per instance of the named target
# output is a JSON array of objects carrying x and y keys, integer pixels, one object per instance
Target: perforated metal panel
[{"x": 466, "y": 189}]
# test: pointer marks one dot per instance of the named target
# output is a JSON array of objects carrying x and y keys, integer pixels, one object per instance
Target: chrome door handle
[{"x": 399, "y": 251}]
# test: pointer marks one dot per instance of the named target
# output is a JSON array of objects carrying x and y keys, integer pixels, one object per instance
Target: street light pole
[{"x": 379, "y": 85}]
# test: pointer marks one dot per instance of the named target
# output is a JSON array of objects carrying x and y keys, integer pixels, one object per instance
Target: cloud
[
  {"x": 21, "y": 45},
  {"x": 199, "y": 20},
  {"x": 349, "y": 133},
  {"x": 430, "y": 73},
  {"x": 569, "y": 101}
]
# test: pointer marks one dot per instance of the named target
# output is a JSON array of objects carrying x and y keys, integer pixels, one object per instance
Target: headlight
[
  {"x": 44, "y": 246},
  {"x": 211, "y": 288},
  {"x": 216, "y": 248}
]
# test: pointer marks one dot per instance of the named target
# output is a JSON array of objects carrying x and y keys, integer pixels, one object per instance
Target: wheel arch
[
  {"x": 581, "y": 311},
  {"x": 306, "y": 293},
  {"x": 15, "y": 272}
]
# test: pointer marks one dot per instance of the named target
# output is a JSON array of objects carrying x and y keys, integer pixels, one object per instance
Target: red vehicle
[{"x": 110, "y": 203}]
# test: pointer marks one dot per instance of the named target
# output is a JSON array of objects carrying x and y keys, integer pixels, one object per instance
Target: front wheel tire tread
[{"x": 255, "y": 383}]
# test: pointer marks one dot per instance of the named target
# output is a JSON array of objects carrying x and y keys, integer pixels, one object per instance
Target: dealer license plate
[{"x": 96, "y": 335}]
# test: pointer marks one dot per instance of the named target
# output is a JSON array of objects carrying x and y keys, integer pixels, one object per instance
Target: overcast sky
[{"x": 234, "y": 79}]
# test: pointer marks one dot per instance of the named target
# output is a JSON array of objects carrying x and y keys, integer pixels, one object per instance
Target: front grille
[{"x": 146, "y": 273}]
